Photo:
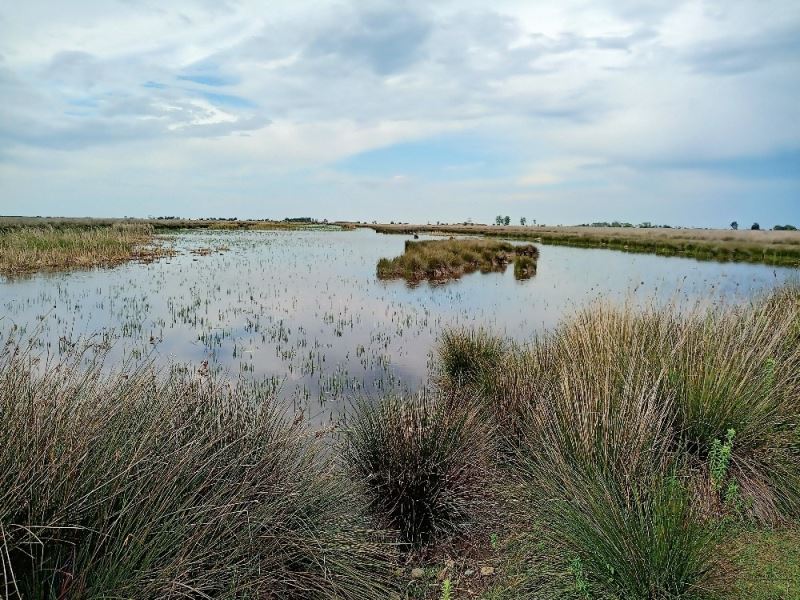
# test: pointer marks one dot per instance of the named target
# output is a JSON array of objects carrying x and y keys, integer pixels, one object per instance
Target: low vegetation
[
  {"x": 31, "y": 244},
  {"x": 636, "y": 454},
  {"x": 642, "y": 441},
  {"x": 424, "y": 464},
  {"x": 148, "y": 485},
  {"x": 28, "y": 249},
  {"x": 442, "y": 260},
  {"x": 779, "y": 247},
  {"x": 169, "y": 223},
  {"x": 766, "y": 564}
]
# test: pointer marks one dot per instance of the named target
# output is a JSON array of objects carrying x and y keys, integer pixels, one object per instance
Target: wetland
[
  {"x": 264, "y": 400},
  {"x": 303, "y": 312}
]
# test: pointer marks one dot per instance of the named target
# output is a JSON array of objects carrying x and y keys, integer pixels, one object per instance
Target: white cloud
[{"x": 606, "y": 97}]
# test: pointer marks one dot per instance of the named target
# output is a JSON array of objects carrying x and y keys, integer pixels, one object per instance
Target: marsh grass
[
  {"x": 638, "y": 433},
  {"x": 424, "y": 462},
  {"x": 470, "y": 356},
  {"x": 147, "y": 485},
  {"x": 767, "y": 564},
  {"x": 441, "y": 260},
  {"x": 28, "y": 249},
  {"x": 768, "y": 247}
]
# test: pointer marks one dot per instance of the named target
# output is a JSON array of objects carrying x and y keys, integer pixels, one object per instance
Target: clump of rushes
[
  {"x": 28, "y": 249},
  {"x": 470, "y": 357},
  {"x": 151, "y": 486},
  {"x": 500, "y": 378},
  {"x": 716, "y": 370},
  {"x": 740, "y": 370},
  {"x": 449, "y": 259},
  {"x": 423, "y": 463},
  {"x": 597, "y": 469},
  {"x": 524, "y": 267}
]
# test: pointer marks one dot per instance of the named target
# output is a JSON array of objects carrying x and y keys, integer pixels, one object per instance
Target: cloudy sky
[{"x": 564, "y": 111}]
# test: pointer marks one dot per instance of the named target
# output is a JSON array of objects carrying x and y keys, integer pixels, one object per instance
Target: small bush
[{"x": 423, "y": 463}]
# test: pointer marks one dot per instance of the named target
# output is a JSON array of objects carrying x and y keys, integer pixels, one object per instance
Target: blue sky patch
[
  {"x": 227, "y": 100},
  {"x": 451, "y": 157},
  {"x": 209, "y": 79}
]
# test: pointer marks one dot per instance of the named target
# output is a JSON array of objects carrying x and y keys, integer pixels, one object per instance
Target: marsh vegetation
[
  {"x": 442, "y": 260},
  {"x": 304, "y": 311},
  {"x": 31, "y": 244},
  {"x": 148, "y": 484},
  {"x": 257, "y": 415},
  {"x": 629, "y": 453},
  {"x": 30, "y": 249},
  {"x": 779, "y": 247}
]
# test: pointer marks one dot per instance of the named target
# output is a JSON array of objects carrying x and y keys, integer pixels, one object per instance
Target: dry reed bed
[{"x": 9, "y": 223}]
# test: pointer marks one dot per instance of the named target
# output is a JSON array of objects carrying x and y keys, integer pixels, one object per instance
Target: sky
[{"x": 563, "y": 112}]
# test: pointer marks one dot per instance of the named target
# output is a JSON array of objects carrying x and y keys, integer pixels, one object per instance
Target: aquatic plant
[{"x": 524, "y": 267}]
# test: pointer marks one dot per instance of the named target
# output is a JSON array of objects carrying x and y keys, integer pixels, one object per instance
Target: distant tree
[
  {"x": 785, "y": 228},
  {"x": 734, "y": 225},
  {"x": 522, "y": 221},
  {"x": 755, "y": 227},
  {"x": 506, "y": 220},
  {"x": 498, "y": 219}
]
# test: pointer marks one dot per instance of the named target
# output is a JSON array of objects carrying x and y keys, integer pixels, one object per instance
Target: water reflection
[{"x": 305, "y": 312}]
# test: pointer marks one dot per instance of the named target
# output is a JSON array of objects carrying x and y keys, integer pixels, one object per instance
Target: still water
[{"x": 304, "y": 313}]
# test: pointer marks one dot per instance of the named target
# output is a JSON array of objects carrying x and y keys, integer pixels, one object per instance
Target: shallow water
[{"x": 305, "y": 312}]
